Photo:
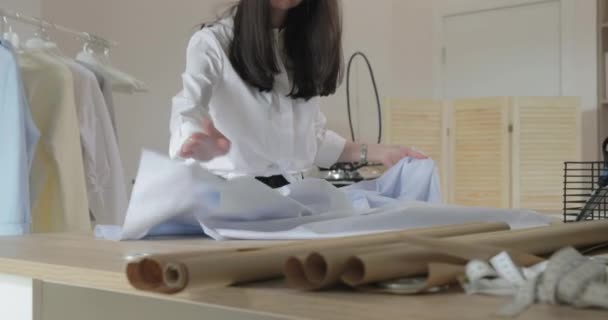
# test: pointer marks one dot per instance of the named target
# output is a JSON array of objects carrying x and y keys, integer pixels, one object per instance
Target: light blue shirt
[{"x": 18, "y": 139}]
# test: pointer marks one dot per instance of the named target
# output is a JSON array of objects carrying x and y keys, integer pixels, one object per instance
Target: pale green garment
[{"x": 58, "y": 180}]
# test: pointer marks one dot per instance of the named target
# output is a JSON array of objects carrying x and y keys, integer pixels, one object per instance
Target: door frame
[{"x": 567, "y": 30}]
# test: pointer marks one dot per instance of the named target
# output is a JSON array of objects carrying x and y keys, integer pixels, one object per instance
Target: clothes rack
[
  {"x": 43, "y": 24},
  {"x": 67, "y": 103},
  {"x": 96, "y": 47}
]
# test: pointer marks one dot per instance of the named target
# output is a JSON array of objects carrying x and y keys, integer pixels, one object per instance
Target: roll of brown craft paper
[
  {"x": 170, "y": 275},
  {"x": 296, "y": 276},
  {"x": 158, "y": 272},
  {"x": 439, "y": 275},
  {"x": 323, "y": 268},
  {"x": 406, "y": 260},
  {"x": 418, "y": 253}
]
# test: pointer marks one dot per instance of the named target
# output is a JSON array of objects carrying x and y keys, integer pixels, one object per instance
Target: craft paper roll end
[
  {"x": 293, "y": 270},
  {"x": 322, "y": 271},
  {"x": 144, "y": 275},
  {"x": 317, "y": 270},
  {"x": 151, "y": 275},
  {"x": 175, "y": 276},
  {"x": 354, "y": 273},
  {"x": 311, "y": 273}
]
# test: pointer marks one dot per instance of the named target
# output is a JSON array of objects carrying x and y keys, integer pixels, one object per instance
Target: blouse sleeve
[
  {"x": 203, "y": 68},
  {"x": 330, "y": 145}
]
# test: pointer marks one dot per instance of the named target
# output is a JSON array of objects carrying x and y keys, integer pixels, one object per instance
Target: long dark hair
[{"x": 313, "y": 46}]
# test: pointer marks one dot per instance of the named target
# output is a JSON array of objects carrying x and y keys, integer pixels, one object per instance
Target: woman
[{"x": 250, "y": 99}]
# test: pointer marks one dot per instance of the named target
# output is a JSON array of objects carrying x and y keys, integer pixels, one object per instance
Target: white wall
[
  {"x": 580, "y": 72},
  {"x": 396, "y": 34},
  {"x": 31, "y": 7},
  {"x": 583, "y": 83},
  {"x": 367, "y": 28},
  {"x": 399, "y": 37}
]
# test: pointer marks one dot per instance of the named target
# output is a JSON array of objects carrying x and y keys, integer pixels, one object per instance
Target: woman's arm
[
  {"x": 333, "y": 148},
  {"x": 388, "y": 155},
  {"x": 193, "y": 135}
]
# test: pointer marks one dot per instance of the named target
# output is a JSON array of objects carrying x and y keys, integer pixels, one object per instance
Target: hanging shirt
[
  {"x": 105, "y": 178},
  {"x": 270, "y": 132},
  {"x": 106, "y": 89},
  {"x": 18, "y": 138},
  {"x": 58, "y": 179}
]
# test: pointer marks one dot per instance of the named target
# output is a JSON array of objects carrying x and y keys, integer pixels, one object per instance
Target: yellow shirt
[{"x": 59, "y": 197}]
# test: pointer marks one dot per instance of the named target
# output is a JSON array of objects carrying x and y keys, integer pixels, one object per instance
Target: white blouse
[{"x": 270, "y": 132}]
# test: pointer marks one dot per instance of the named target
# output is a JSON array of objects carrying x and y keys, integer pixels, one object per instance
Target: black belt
[{"x": 274, "y": 182}]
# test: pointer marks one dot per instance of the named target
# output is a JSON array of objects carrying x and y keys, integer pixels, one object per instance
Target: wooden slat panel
[
  {"x": 419, "y": 123},
  {"x": 546, "y": 133},
  {"x": 480, "y": 164}
]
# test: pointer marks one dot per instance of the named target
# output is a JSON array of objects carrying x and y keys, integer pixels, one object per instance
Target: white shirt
[
  {"x": 106, "y": 189},
  {"x": 270, "y": 132}
]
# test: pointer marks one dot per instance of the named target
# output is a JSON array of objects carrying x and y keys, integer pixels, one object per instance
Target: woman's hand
[
  {"x": 205, "y": 146},
  {"x": 390, "y": 155}
]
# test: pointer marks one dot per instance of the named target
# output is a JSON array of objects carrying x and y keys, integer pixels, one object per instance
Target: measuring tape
[
  {"x": 506, "y": 269},
  {"x": 482, "y": 278},
  {"x": 567, "y": 277}
]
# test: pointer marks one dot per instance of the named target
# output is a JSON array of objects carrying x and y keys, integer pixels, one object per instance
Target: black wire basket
[{"x": 585, "y": 191}]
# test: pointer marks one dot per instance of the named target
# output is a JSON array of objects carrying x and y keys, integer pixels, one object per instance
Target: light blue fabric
[
  {"x": 18, "y": 139},
  {"x": 409, "y": 180},
  {"x": 174, "y": 198},
  {"x": 198, "y": 198}
]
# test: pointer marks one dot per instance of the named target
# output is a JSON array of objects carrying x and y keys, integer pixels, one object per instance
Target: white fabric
[
  {"x": 87, "y": 122},
  {"x": 105, "y": 178},
  {"x": 171, "y": 197},
  {"x": 271, "y": 134},
  {"x": 106, "y": 89}
]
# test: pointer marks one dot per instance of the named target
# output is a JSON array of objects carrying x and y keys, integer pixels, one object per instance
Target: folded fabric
[
  {"x": 175, "y": 198},
  {"x": 409, "y": 180}
]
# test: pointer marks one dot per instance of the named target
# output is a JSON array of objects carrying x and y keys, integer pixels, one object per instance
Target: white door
[{"x": 506, "y": 51}]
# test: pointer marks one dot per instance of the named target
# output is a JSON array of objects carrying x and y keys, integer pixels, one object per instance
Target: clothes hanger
[
  {"x": 89, "y": 53},
  {"x": 41, "y": 41},
  {"x": 10, "y": 36},
  {"x": 136, "y": 85},
  {"x": 97, "y": 53},
  {"x": 52, "y": 47},
  {"x": 37, "y": 42}
]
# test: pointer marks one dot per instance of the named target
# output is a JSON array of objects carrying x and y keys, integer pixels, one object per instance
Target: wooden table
[{"x": 52, "y": 277}]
